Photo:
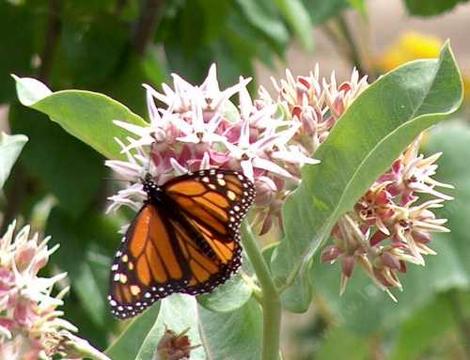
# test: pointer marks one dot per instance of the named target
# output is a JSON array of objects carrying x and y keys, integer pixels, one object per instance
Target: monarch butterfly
[{"x": 185, "y": 238}]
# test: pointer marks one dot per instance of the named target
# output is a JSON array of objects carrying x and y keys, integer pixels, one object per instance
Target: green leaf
[
  {"x": 430, "y": 7},
  {"x": 64, "y": 166},
  {"x": 10, "y": 148},
  {"x": 230, "y": 296},
  {"x": 384, "y": 119},
  {"x": 261, "y": 15},
  {"x": 84, "y": 114},
  {"x": 178, "y": 313},
  {"x": 129, "y": 342},
  {"x": 321, "y": 11},
  {"x": 234, "y": 335},
  {"x": 296, "y": 16}
]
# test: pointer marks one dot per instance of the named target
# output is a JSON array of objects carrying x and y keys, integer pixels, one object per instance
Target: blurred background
[{"x": 60, "y": 185}]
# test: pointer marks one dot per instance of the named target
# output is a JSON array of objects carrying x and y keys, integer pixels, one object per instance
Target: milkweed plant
[{"x": 339, "y": 179}]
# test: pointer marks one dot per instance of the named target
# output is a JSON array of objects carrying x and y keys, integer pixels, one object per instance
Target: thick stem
[{"x": 270, "y": 300}]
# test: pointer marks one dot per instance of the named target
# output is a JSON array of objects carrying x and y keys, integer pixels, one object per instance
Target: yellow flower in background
[{"x": 411, "y": 46}]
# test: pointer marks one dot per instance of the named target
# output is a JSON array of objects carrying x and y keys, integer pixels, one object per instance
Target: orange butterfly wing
[
  {"x": 214, "y": 202},
  {"x": 190, "y": 251}
]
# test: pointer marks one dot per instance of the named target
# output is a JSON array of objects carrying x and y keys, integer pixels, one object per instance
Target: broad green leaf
[
  {"x": 228, "y": 297},
  {"x": 178, "y": 313},
  {"x": 234, "y": 335},
  {"x": 10, "y": 148},
  {"x": 430, "y": 7},
  {"x": 384, "y": 119},
  {"x": 129, "y": 342},
  {"x": 61, "y": 164},
  {"x": 263, "y": 17},
  {"x": 84, "y": 114},
  {"x": 296, "y": 16},
  {"x": 321, "y": 11}
]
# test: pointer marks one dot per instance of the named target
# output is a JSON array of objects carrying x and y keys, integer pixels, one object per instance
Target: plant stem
[
  {"x": 146, "y": 25},
  {"x": 462, "y": 322},
  {"x": 54, "y": 27},
  {"x": 270, "y": 300}
]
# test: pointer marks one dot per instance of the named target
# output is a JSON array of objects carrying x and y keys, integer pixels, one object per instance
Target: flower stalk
[{"x": 270, "y": 299}]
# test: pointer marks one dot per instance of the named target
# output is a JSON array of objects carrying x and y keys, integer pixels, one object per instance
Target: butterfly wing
[
  {"x": 148, "y": 266},
  {"x": 214, "y": 202},
  {"x": 190, "y": 250}
]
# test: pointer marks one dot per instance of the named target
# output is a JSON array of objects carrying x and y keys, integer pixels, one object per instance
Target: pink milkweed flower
[
  {"x": 31, "y": 326},
  {"x": 197, "y": 127},
  {"x": 392, "y": 223}
]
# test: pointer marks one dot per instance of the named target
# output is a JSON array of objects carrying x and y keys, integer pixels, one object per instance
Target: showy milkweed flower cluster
[
  {"x": 270, "y": 138},
  {"x": 198, "y": 127},
  {"x": 30, "y": 323},
  {"x": 390, "y": 225}
]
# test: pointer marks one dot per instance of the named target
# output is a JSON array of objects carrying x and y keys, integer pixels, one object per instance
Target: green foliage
[
  {"x": 406, "y": 102},
  {"x": 64, "y": 171},
  {"x": 427, "y": 313},
  {"x": 86, "y": 115},
  {"x": 234, "y": 335},
  {"x": 130, "y": 341},
  {"x": 296, "y": 16},
  {"x": 431, "y": 7},
  {"x": 320, "y": 11},
  {"x": 228, "y": 297},
  {"x": 10, "y": 148},
  {"x": 90, "y": 45}
]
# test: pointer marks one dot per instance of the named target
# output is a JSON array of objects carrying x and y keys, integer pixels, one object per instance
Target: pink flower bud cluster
[
  {"x": 390, "y": 225},
  {"x": 315, "y": 103},
  {"x": 30, "y": 324}
]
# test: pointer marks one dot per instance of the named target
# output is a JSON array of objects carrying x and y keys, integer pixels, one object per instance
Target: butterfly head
[{"x": 149, "y": 184}]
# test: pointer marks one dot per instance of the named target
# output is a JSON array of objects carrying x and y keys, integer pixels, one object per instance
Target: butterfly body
[{"x": 185, "y": 238}]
